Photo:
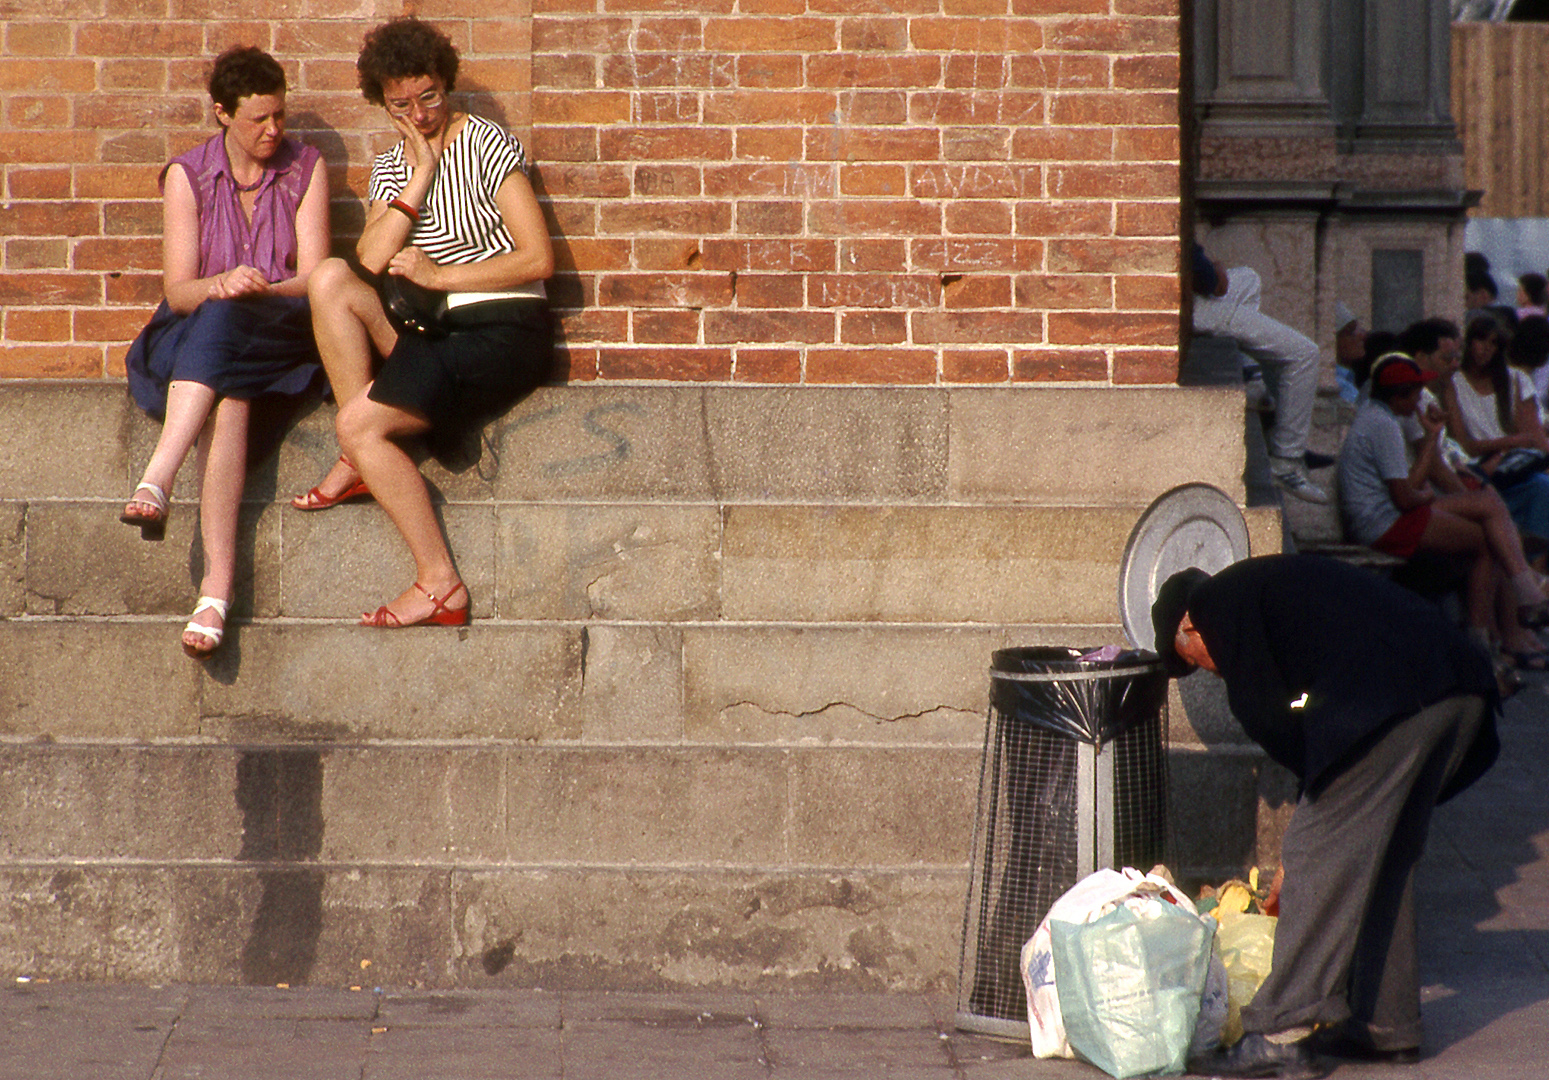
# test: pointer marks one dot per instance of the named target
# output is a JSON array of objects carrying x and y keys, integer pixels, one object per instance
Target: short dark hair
[
  {"x": 1529, "y": 346},
  {"x": 1482, "y": 280},
  {"x": 1427, "y": 335},
  {"x": 404, "y": 49},
  {"x": 242, "y": 71},
  {"x": 1537, "y": 288}
]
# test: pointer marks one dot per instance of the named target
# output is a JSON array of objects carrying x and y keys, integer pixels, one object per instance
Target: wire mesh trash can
[{"x": 1074, "y": 779}]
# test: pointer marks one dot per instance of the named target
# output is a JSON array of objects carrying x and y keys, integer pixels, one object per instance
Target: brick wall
[{"x": 822, "y": 191}]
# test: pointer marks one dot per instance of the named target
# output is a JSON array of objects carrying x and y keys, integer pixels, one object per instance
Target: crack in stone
[{"x": 813, "y": 713}]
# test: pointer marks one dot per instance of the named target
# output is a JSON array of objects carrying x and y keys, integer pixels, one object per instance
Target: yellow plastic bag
[{"x": 1246, "y": 945}]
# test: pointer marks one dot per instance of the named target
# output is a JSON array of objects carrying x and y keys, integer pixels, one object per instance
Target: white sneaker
[{"x": 1290, "y": 479}]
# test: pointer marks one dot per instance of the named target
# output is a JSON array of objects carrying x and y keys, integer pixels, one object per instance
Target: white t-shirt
[
  {"x": 1374, "y": 452},
  {"x": 1479, "y": 412}
]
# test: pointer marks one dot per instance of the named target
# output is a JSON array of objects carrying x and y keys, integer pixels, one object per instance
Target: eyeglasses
[{"x": 430, "y": 101}]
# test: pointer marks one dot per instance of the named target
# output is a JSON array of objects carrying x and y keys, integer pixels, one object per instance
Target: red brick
[
  {"x": 676, "y": 253},
  {"x": 1146, "y": 144},
  {"x": 635, "y": 217},
  {"x": 500, "y": 36},
  {"x": 976, "y": 291},
  {"x": 678, "y": 364},
  {"x": 572, "y": 253},
  {"x": 1099, "y": 256},
  {"x": 131, "y": 219},
  {"x": 314, "y": 37},
  {"x": 872, "y": 144},
  {"x": 45, "y": 147},
  {"x": 702, "y": 70},
  {"x": 574, "y": 364},
  {"x": 772, "y": 7},
  {"x": 959, "y": 255},
  {"x": 806, "y": 35},
  {"x": 800, "y": 255},
  {"x": 769, "y": 218},
  {"x": 664, "y": 144},
  {"x": 874, "y": 327},
  {"x": 665, "y": 327},
  {"x": 976, "y": 327},
  {"x": 665, "y": 290},
  {"x": 1149, "y": 219},
  {"x": 562, "y": 7},
  {"x": 1064, "y": 218},
  {"x": 871, "y": 366},
  {"x": 1113, "y": 109},
  {"x": 665, "y": 107},
  {"x": 28, "y": 111},
  {"x": 38, "y": 39},
  {"x": 1108, "y": 34},
  {"x": 48, "y": 219},
  {"x": 934, "y": 181},
  {"x": 1159, "y": 293},
  {"x": 1048, "y": 8},
  {"x": 137, "y": 111},
  {"x": 568, "y": 71},
  {"x": 1158, "y": 8},
  {"x": 871, "y": 216},
  {"x": 1063, "y": 144},
  {"x": 668, "y": 181},
  {"x": 222, "y": 35},
  {"x": 130, "y": 287},
  {"x": 874, "y": 33},
  {"x": 56, "y": 75},
  {"x": 976, "y": 144},
  {"x": 1059, "y": 365},
  {"x": 873, "y": 107},
  {"x": 50, "y": 361},
  {"x": 134, "y": 75},
  {"x": 874, "y": 256},
  {"x": 1146, "y": 72},
  {"x": 766, "y": 72},
  {"x": 158, "y": 38},
  {"x": 769, "y": 144},
  {"x": 974, "y": 366},
  {"x": 1054, "y": 291},
  {"x": 1145, "y": 367},
  {"x": 38, "y": 183},
  {"x": 847, "y": 71},
  {"x": 593, "y": 34},
  {"x": 565, "y": 143},
  {"x": 977, "y": 71},
  {"x": 1112, "y": 328},
  {"x": 568, "y": 290},
  {"x": 874, "y": 290},
  {"x": 976, "y": 35},
  {"x": 583, "y": 180},
  {"x": 594, "y": 324},
  {"x": 788, "y": 178},
  {"x": 1128, "y": 181},
  {"x": 24, "y": 324},
  {"x": 978, "y": 218},
  {"x": 709, "y": 8},
  {"x": 873, "y": 180},
  {"x": 769, "y": 327},
  {"x": 35, "y": 254},
  {"x": 849, "y": 8},
  {"x": 110, "y": 324},
  {"x": 770, "y": 291},
  {"x": 117, "y": 253},
  {"x": 1061, "y": 72},
  {"x": 767, "y": 365},
  {"x": 770, "y": 106},
  {"x": 573, "y": 107},
  {"x": 976, "y": 107},
  {"x": 671, "y": 34}
]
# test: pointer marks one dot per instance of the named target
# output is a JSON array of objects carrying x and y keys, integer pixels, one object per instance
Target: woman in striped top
[{"x": 451, "y": 210}]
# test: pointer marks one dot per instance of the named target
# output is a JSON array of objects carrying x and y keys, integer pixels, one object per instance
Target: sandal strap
[
  {"x": 440, "y": 604},
  {"x": 160, "y": 500}
]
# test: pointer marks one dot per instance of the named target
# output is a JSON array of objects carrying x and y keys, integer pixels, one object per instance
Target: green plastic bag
[
  {"x": 1246, "y": 945},
  {"x": 1130, "y": 983}
]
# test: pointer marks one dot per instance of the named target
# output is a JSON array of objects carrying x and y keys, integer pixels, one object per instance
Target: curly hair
[
  {"x": 404, "y": 49},
  {"x": 242, "y": 71}
]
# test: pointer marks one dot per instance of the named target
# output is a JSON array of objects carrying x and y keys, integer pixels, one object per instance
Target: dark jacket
[{"x": 1320, "y": 658}]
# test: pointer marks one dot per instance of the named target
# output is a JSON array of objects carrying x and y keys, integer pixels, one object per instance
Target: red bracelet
[{"x": 405, "y": 209}]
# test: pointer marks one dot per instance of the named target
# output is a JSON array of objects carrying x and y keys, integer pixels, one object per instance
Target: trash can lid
[{"x": 1191, "y": 525}]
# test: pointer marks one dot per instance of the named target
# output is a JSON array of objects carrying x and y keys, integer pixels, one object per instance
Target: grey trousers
[{"x": 1345, "y": 946}]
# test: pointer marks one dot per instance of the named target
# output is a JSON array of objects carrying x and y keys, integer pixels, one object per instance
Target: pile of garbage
[{"x": 1128, "y": 973}]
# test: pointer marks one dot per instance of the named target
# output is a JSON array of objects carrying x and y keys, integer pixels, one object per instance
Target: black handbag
[
  {"x": 413, "y": 308},
  {"x": 1517, "y": 465}
]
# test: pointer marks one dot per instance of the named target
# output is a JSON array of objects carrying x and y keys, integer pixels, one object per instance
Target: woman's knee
[{"x": 328, "y": 278}]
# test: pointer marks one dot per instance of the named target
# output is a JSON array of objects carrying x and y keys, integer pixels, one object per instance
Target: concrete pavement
[{"x": 1485, "y": 930}]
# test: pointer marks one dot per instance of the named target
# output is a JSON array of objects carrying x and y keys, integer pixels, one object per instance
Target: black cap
[{"x": 1171, "y": 604}]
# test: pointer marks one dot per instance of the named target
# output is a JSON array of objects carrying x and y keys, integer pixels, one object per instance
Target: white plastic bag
[{"x": 1091, "y": 898}]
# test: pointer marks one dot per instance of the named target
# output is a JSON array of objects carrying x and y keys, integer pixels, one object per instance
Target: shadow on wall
[{"x": 280, "y": 794}]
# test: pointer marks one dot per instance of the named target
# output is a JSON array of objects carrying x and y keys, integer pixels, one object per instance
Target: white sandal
[
  {"x": 153, "y": 524},
  {"x": 212, "y": 634}
]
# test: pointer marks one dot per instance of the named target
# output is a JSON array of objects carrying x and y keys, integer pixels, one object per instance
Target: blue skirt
[{"x": 241, "y": 349}]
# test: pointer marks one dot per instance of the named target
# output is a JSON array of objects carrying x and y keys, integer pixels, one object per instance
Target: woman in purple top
[{"x": 244, "y": 221}]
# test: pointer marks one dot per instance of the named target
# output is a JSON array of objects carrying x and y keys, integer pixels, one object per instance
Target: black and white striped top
[{"x": 460, "y": 221}]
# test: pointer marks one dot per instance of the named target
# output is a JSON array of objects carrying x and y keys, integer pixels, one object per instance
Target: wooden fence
[{"x": 1500, "y": 101}]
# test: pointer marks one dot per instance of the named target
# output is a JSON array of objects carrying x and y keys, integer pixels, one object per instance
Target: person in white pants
[{"x": 1232, "y": 310}]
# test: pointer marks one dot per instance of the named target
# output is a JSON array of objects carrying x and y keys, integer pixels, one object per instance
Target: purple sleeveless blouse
[{"x": 226, "y": 238}]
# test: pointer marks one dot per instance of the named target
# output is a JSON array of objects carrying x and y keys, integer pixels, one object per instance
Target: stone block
[
  {"x": 883, "y": 807},
  {"x": 1098, "y": 446},
  {"x": 290, "y": 681},
  {"x": 413, "y": 804},
  {"x": 851, "y": 929},
  {"x": 632, "y": 684},
  {"x": 608, "y": 562},
  {"x": 13, "y": 558},
  {"x": 83, "y": 561},
  {"x": 647, "y": 806},
  {"x": 603, "y": 444},
  {"x": 67, "y": 440},
  {"x": 88, "y": 923},
  {"x": 351, "y": 559},
  {"x": 827, "y": 444},
  {"x": 805, "y": 685},
  {"x": 69, "y": 679},
  {"x": 923, "y": 563},
  {"x": 118, "y": 802}
]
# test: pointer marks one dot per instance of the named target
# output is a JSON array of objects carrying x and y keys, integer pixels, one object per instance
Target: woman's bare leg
[
  {"x": 223, "y": 474},
  {"x": 188, "y": 406},
  {"x": 1450, "y": 534}
]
